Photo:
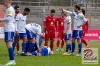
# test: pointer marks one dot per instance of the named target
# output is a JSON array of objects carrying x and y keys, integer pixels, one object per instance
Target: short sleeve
[
  {"x": 9, "y": 12},
  {"x": 81, "y": 16},
  {"x": 68, "y": 20}
]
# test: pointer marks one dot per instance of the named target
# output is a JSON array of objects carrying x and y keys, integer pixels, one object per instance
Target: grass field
[{"x": 53, "y": 60}]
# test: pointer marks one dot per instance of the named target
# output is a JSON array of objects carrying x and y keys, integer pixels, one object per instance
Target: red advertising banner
[
  {"x": 93, "y": 34},
  {"x": 1, "y": 23}
]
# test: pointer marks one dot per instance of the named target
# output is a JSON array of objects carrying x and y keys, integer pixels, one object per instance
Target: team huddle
[{"x": 15, "y": 28}]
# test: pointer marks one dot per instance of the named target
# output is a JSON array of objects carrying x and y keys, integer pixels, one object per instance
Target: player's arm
[
  {"x": 45, "y": 24},
  {"x": 84, "y": 20},
  {"x": 16, "y": 30},
  {"x": 44, "y": 28},
  {"x": 16, "y": 22},
  {"x": 87, "y": 26},
  {"x": 38, "y": 37},
  {"x": 16, "y": 27},
  {"x": 68, "y": 24},
  {"x": 17, "y": 19},
  {"x": 56, "y": 24},
  {"x": 37, "y": 41},
  {"x": 8, "y": 16},
  {"x": 69, "y": 12}
]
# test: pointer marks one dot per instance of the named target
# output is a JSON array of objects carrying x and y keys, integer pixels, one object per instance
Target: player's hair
[
  {"x": 27, "y": 9},
  {"x": 52, "y": 11},
  {"x": 9, "y": 1},
  {"x": 62, "y": 12},
  {"x": 77, "y": 7},
  {"x": 83, "y": 11},
  {"x": 16, "y": 6}
]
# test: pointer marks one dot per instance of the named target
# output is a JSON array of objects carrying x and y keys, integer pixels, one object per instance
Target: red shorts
[
  {"x": 60, "y": 35},
  {"x": 83, "y": 34},
  {"x": 49, "y": 35}
]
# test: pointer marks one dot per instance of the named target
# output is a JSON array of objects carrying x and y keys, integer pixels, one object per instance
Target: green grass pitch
[{"x": 53, "y": 60}]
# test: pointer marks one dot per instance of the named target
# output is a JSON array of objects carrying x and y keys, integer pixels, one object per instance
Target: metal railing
[
  {"x": 40, "y": 13},
  {"x": 45, "y": 3},
  {"x": 73, "y": 2}
]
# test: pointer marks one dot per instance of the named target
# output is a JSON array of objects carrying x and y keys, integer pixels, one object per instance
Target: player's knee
[
  {"x": 46, "y": 41},
  {"x": 17, "y": 41},
  {"x": 9, "y": 44},
  {"x": 62, "y": 39},
  {"x": 79, "y": 40},
  {"x": 52, "y": 41}
]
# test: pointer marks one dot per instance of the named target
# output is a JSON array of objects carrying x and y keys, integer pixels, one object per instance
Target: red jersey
[
  {"x": 60, "y": 26},
  {"x": 85, "y": 26},
  {"x": 16, "y": 14},
  {"x": 50, "y": 23}
]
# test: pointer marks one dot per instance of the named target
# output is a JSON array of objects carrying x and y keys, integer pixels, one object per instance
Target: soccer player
[
  {"x": 33, "y": 31},
  {"x": 84, "y": 30},
  {"x": 21, "y": 22},
  {"x": 45, "y": 51},
  {"x": 60, "y": 30},
  {"x": 16, "y": 38},
  {"x": 67, "y": 32},
  {"x": 9, "y": 29},
  {"x": 79, "y": 21},
  {"x": 50, "y": 25}
]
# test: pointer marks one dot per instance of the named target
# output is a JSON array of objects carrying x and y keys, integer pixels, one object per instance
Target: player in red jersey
[
  {"x": 16, "y": 37},
  {"x": 50, "y": 24},
  {"x": 60, "y": 30},
  {"x": 84, "y": 29}
]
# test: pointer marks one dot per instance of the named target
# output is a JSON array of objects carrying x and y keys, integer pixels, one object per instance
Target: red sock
[
  {"x": 58, "y": 43},
  {"x": 62, "y": 44},
  {"x": 83, "y": 41},
  {"x": 51, "y": 45},
  {"x": 46, "y": 43},
  {"x": 17, "y": 46}
]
